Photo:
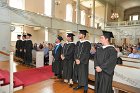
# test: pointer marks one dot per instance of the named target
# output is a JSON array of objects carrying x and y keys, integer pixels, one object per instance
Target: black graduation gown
[
  {"x": 68, "y": 53},
  {"x": 57, "y": 63},
  {"x": 82, "y": 52},
  {"x": 28, "y": 53},
  {"x": 106, "y": 59},
  {"x": 23, "y": 47},
  {"x": 18, "y": 48}
]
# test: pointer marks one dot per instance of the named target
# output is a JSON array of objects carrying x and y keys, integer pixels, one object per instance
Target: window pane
[
  {"x": 69, "y": 12},
  {"x": 20, "y": 4},
  {"x": 48, "y": 5},
  {"x": 83, "y": 17},
  {"x": 135, "y": 17}
]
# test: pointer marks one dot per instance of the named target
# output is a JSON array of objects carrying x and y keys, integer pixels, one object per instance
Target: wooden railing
[
  {"x": 123, "y": 23},
  {"x": 4, "y": 53}
]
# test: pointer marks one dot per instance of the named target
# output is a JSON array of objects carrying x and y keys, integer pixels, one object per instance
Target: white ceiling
[
  {"x": 89, "y": 3},
  {"x": 125, "y": 4}
]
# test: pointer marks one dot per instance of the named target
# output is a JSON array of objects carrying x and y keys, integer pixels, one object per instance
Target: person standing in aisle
[
  {"x": 104, "y": 63},
  {"x": 68, "y": 59},
  {"x": 57, "y": 62},
  {"x": 28, "y": 50},
  {"x": 82, "y": 55}
]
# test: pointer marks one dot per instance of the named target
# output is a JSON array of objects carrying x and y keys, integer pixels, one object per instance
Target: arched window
[
  {"x": 20, "y": 4},
  {"x": 69, "y": 12},
  {"x": 83, "y": 17},
  {"x": 48, "y": 6}
]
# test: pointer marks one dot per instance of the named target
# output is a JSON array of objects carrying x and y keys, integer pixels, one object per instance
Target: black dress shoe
[
  {"x": 70, "y": 85},
  {"x": 76, "y": 88},
  {"x": 85, "y": 91}
]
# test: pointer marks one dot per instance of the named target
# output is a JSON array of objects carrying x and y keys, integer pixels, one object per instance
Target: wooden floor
[{"x": 48, "y": 86}]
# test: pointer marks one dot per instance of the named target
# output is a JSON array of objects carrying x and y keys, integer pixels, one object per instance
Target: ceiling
[
  {"x": 125, "y": 4},
  {"x": 89, "y": 3}
]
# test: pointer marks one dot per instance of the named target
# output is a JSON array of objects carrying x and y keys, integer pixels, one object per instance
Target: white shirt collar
[
  {"x": 84, "y": 41},
  {"x": 69, "y": 42},
  {"x": 57, "y": 43},
  {"x": 107, "y": 46}
]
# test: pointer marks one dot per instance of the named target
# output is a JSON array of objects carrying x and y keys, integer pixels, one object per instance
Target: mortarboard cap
[
  {"x": 29, "y": 34},
  {"x": 70, "y": 35},
  {"x": 60, "y": 38},
  {"x": 24, "y": 35},
  {"x": 19, "y": 35},
  {"x": 83, "y": 32},
  {"x": 108, "y": 34}
]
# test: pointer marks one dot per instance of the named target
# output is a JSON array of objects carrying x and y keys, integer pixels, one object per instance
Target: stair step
[
  {"x": 1, "y": 77},
  {"x": 5, "y": 77},
  {"x": 17, "y": 82}
]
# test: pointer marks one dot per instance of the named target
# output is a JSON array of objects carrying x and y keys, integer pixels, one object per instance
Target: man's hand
[
  {"x": 24, "y": 50},
  {"x": 98, "y": 69},
  {"x": 62, "y": 57},
  {"x": 77, "y": 61}
]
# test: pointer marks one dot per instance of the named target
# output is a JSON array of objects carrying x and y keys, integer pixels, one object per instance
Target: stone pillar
[
  {"x": 93, "y": 10},
  {"x": 78, "y": 12}
]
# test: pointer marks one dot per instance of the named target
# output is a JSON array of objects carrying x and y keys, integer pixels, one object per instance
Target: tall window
[
  {"x": 20, "y": 4},
  {"x": 18, "y": 31},
  {"x": 83, "y": 15},
  {"x": 69, "y": 12},
  {"x": 48, "y": 6},
  {"x": 135, "y": 17}
]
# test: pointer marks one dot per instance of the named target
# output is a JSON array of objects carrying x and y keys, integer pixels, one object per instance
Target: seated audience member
[
  {"x": 119, "y": 51},
  {"x": 50, "y": 46},
  {"x": 35, "y": 46},
  {"x": 46, "y": 54},
  {"x": 134, "y": 54},
  {"x": 119, "y": 54},
  {"x": 40, "y": 48},
  {"x": 92, "y": 51},
  {"x": 129, "y": 50},
  {"x": 138, "y": 47}
]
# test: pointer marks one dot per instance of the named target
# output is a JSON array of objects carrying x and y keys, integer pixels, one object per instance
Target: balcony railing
[{"x": 123, "y": 23}]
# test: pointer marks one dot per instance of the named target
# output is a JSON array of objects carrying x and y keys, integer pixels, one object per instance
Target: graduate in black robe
[
  {"x": 68, "y": 59},
  {"x": 105, "y": 62},
  {"x": 57, "y": 63},
  {"x": 28, "y": 50},
  {"x": 82, "y": 55},
  {"x": 18, "y": 47},
  {"x": 23, "y": 48}
]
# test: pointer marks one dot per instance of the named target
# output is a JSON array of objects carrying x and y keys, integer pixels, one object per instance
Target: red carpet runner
[{"x": 34, "y": 75}]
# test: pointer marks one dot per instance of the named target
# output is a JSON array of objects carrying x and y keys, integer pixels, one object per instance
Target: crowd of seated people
[{"x": 46, "y": 47}]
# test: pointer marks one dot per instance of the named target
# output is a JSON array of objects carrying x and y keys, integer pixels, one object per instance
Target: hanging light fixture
[
  {"x": 89, "y": 16},
  {"x": 57, "y": 2},
  {"x": 114, "y": 15}
]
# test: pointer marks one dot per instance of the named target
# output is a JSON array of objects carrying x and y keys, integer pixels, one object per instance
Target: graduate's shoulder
[{"x": 111, "y": 48}]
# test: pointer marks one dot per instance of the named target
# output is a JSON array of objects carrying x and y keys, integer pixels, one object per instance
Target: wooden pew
[
  {"x": 126, "y": 78},
  {"x": 119, "y": 86},
  {"x": 131, "y": 62}
]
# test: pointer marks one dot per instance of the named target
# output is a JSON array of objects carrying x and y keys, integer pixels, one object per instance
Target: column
[
  {"x": 78, "y": 12},
  {"x": 93, "y": 13},
  {"x": 53, "y": 8},
  {"x": 106, "y": 13}
]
